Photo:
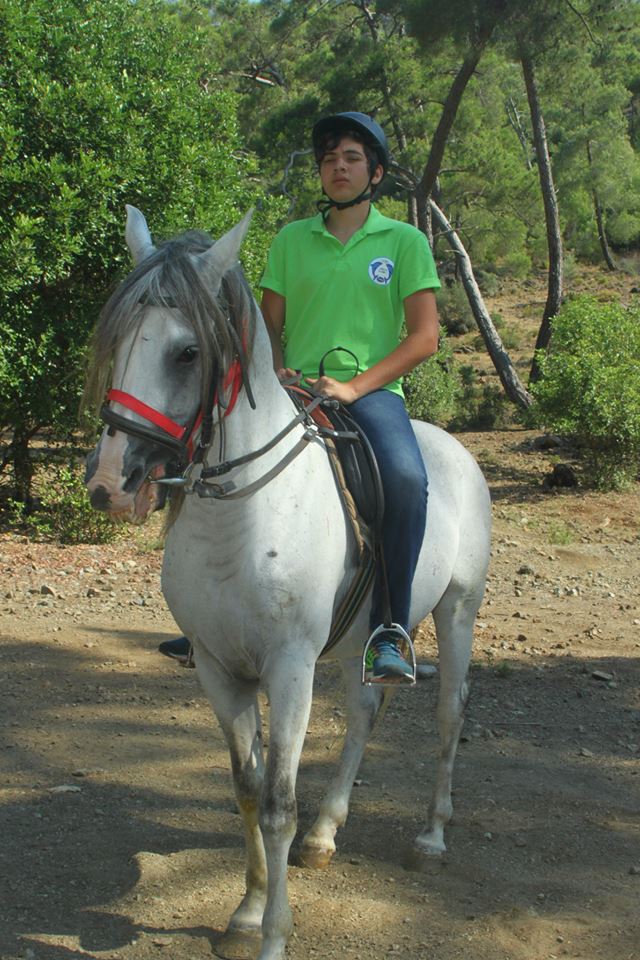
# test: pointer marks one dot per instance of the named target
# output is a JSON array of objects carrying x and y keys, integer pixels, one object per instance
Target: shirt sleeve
[
  {"x": 417, "y": 266},
  {"x": 275, "y": 274}
]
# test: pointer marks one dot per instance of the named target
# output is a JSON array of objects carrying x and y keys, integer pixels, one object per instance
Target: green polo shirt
[{"x": 346, "y": 295}]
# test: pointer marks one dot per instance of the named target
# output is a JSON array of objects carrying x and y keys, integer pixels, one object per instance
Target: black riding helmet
[{"x": 372, "y": 133}]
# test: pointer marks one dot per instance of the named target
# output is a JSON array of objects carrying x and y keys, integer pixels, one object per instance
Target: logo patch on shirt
[{"x": 381, "y": 271}]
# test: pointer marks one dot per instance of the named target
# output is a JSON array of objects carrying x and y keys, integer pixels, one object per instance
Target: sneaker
[
  {"x": 179, "y": 649},
  {"x": 388, "y": 665}
]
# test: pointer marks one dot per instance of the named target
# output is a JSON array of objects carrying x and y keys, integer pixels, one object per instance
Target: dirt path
[{"x": 119, "y": 834}]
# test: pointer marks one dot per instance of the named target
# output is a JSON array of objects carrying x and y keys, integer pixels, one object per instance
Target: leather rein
[{"x": 180, "y": 439}]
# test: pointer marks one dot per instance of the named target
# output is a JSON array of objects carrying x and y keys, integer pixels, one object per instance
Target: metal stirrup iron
[
  {"x": 403, "y": 639},
  {"x": 399, "y": 634}
]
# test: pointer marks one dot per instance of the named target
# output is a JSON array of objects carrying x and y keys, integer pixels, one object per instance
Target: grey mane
[{"x": 169, "y": 277}]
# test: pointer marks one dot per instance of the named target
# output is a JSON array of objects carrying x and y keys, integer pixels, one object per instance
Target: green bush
[
  {"x": 432, "y": 390},
  {"x": 517, "y": 264},
  {"x": 64, "y": 513},
  {"x": 102, "y": 103},
  {"x": 488, "y": 282},
  {"x": 510, "y": 336},
  {"x": 590, "y": 386},
  {"x": 482, "y": 405},
  {"x": 453, "y": 306}
]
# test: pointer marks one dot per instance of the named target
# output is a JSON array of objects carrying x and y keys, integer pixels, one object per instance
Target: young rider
[{"x": 348, "y": 278}]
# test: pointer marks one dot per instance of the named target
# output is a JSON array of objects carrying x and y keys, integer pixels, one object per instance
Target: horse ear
[
  {"x": 137, "y": 235},
  {"x": 223, "y": 255}
]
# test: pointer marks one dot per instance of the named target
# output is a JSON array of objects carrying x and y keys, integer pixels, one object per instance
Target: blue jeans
[{"x": 384, "y": 419}]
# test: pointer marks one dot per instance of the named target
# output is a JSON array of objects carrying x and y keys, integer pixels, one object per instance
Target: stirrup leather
[{"x": 404, "y": 642}]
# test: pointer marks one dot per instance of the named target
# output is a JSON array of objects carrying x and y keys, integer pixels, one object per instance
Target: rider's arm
[
  {"x": 273, "y": 310},
  {"x": 421, "y": 318}
]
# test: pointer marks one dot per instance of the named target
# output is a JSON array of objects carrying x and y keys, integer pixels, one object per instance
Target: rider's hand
[
  {"x": 286, "y": 373},
  {"x": 333, "y": 389}
]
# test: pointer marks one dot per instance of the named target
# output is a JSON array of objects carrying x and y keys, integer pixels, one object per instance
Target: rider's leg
[
  {"x": 384, "y": 418},
  {"x": 179, "y": 648}
]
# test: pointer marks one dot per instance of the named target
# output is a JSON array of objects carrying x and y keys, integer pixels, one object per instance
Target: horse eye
[{"x": 188, "y": 355}]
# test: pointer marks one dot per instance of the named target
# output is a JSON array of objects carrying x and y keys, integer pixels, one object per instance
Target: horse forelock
[{"x": 171, "y": 278}]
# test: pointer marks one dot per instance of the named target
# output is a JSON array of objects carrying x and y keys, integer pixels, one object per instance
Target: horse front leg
[
  {"x": 236, "y": 707},
  {"x": 454, "y": 618},
  {"x": 363, "y": 706},
  {"x": 289, "y": 691}
]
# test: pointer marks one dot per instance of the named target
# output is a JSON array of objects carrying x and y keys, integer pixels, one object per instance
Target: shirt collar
[{"x": 375, "y": 223}]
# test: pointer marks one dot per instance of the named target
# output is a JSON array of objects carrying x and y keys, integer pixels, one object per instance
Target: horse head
[{"x": 164, "y": 345}]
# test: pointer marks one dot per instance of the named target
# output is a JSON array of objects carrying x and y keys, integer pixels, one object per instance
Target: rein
[{"x": 179, "y": 438}]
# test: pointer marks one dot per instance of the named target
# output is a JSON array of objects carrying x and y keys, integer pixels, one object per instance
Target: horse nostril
[
  {"x": 134, "y": 480},
  {"x": 100, "y": 498}
]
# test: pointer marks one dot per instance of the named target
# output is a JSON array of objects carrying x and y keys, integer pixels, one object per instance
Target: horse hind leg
[
  {"x": 454, "y": 619},
  {"x": 236, "y": 707},
  {"x": 363, "y": 705}
]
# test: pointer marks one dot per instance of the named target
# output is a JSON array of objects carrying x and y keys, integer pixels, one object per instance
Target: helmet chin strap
[{"x": 324, "y": 205}]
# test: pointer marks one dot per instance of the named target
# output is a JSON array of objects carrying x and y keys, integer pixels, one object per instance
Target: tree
[
  {"x": 101, "y": 105},
  {"x": 550, "y": 202},
  {"x": 460, "y": 88},
  {"x": 509, "y": 378},
  {"x": 597, "y": 169}
]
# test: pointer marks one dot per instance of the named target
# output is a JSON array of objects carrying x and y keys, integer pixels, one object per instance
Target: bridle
[
  {"x": 165, "y": 432},
  {"x": 180, "y": 439}
]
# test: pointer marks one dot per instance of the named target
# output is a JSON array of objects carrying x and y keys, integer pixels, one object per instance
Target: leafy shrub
[
  {"x": 482, "y": 405},
  {"x": 517, "y": 264},
  {"x": 64, "y": 513},
  {"x": 510, "y": 336},
  {"x": 590, "y": 386},
  {"x": 453, "y": 306},
  {"x": 488, "y": 282},
  {"x": 432, "y": 390},
  {"x": 102, "y": 102}
]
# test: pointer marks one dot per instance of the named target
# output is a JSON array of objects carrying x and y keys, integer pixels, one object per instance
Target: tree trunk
[
  {"x": 509, "y": 378},
  {"x": 449, "y": 111},
  {"x": 515, "y": 119},
  {"x": 602, "y": 236},
  {"x": 424, "y": 214},
  {"x": 412, "y": 209},
  {"x": 22, "y": 465},
  {"x": 552, "y": 219}
]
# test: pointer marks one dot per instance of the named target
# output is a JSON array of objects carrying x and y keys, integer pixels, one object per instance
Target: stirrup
[{"x": 404, "y": 642}]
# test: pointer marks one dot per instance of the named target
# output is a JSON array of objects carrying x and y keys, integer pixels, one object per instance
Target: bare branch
[
  {"x": 582, "y": 19},
  {"x": 293, "y": 156}
]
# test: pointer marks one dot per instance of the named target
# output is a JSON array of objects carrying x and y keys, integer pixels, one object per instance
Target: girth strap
[{"x": 334, "y": 424}]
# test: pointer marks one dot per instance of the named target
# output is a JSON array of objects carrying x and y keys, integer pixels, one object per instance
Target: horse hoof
[
  {"x": 425, "y": 671},
  {"x": 315, "y": 857},
  {"x": 238, "y": 945},
  {"x": 425, "y": 858}
]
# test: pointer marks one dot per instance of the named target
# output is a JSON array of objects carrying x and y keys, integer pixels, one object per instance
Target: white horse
[{"x": 254, "y": 580}]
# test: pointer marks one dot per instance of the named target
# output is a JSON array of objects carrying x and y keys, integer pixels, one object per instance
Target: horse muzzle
[{"x": 119, "y": 482}]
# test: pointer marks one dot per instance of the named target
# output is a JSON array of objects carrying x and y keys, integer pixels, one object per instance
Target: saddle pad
[{"x": 356, "y": 457}]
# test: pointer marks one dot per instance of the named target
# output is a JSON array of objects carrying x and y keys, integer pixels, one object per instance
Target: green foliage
[
  {"x": 509, "y": 335},
  {"x": 103, "y": 102},
  {"x": 594, "y": 158},
  {"x": 65, "y": 514},
  {"x": 158, "y": 104},
  {"x": 482, "y": 405},
  {"x": 432, "y": 389},
  {"x": 590, "y": 386},
  {"x": 455, "y": 312},
  {"x": 488, "y": 282},
  {"x": 560, "y": 533}
]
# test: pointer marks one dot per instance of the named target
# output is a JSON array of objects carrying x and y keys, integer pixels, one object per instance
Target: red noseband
[{"x": 176, "y": 436}]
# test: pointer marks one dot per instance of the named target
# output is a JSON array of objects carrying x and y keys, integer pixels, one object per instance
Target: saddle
[{"x": 358, "y": 481}]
